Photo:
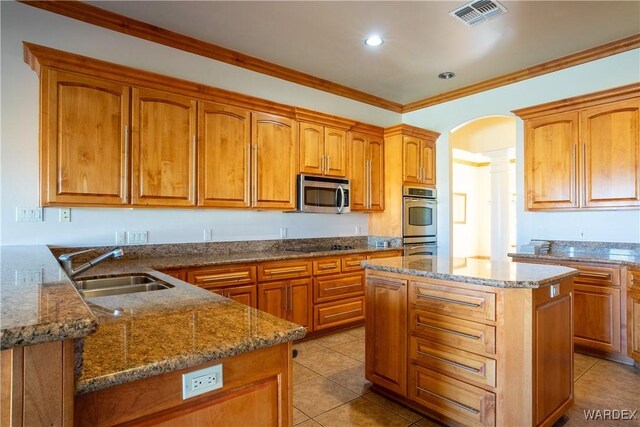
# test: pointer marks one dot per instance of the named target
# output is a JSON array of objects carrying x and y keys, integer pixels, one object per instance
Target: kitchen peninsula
[{"x": 469, "y": 341}]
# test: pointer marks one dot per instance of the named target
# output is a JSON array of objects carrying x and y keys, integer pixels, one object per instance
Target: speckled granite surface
[
  {"x": 473, "y": 271},
  {"x": 627, "y": 254},
  {"x": 37, "y": 302}
]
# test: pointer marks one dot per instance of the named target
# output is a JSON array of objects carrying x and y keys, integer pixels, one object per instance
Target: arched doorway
[{"x": 483, "y": 188}]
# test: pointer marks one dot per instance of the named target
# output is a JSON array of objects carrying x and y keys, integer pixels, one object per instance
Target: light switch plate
[
  {"x": 29, "y": 214},
  {"x": 137, "y": 237}
]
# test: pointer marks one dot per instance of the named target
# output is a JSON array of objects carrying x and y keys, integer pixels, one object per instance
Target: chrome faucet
[{"x": 66, "y": 261}]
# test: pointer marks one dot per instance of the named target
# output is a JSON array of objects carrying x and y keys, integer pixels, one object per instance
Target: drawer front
[
  {"x": 464, "y": 403},
  {"x": 335, "y": 314},
  {"x": 456, "y": 363},
  {"x": 216, "y": 277},
  {"x": 284, "y": 270},
  {"x": 352, "y": 263},
  {"x": 634, "y": 280},
  {"x": 598, "y": 276},
  {"x": 331, "y": 288},
  {"x": 457, "y": 333},
  {"x": 461, "y": 303},
  {"x": 326, "y": 266},
  {"x": 384, "y": 254}
]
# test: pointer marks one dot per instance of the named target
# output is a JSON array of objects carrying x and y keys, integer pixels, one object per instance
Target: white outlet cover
[{"x": 187, "y": 381}]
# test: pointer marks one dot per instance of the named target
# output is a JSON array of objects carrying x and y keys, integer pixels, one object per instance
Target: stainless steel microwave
[{"x": 322, "y": 194}]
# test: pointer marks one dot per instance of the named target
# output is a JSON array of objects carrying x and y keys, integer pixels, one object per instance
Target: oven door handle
[{"x": 341, "y": 203}]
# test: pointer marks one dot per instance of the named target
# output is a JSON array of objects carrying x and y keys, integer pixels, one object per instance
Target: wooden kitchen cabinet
[
  {"x": 163, "y": 152},
  {"x": 224, "y": 156},
  {"x": 633, "y": 316},
  {"x": 386, "y": 330},
  {"x": 584, "y": 152},
  {"x": 322, "y": 150},
  {"x": 274, "y": 163},
  {"x": 366, "y": 172},
  {"x": 288, "y": 299},
  {"x": 419, "y": 167},
  {"x": 83, "y": 140},
  {"x": 236, "y": 282}
]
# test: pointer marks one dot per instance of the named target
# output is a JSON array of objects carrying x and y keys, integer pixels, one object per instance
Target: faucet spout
[{"x": 66, "y": 261}]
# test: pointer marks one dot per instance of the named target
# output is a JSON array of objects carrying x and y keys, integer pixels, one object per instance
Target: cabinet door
[
  {"x": 634, "y": 326},
  {"x": 375, "y": 156},
  {"x": 274, "y": 140},
  {"x": 610, "y": 136},
  {"x": 358, "y": 172},
  {"x": 335, "y": 149},
  {"x": 411, "y": 163},
  {"x": 596, "y": 317},
  {"x": 272, "y": 298},
  {"x": 246, "y": 295},
  {"x": 163, "y": 149},
  {"x": 550, "y": 161},
  {"x": 311, "y": 149},
  {"x": 299, "y": 300},
  {"x": 84, "y": 140},
  {"x": 224, "y": 156},
  {"x": 386, "y": 333},
  {"x": 428, "y": 159}
]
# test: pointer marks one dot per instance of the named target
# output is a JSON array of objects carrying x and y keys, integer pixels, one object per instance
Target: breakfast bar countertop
[{"x": 504, "y": 274}]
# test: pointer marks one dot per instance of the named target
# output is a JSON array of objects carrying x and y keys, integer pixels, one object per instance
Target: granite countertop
[
  {"x": 38, "y": 303},
  {"x": 598, "y": 257},
  {"x": 477, "y": 272}
]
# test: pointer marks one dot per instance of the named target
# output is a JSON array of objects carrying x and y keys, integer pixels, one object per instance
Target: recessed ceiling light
[
  {"x": 446, "y": 75},
  {"x": 373, "y": 41}
]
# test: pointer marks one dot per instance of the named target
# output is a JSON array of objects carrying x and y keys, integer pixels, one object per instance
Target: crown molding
[{"x": 408, "y": 130}]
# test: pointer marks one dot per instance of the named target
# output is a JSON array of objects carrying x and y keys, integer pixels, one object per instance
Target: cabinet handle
[
  {"x": 254, "y": 177},
  {"x": 449, "y": 331},
  {"x": 328, "y": 164},
  {"x": 227, "y": 276},
  {"x": 450, "y": 362},
  {"x": 452, "y": 301},
  {"x": 286, "y": 270},
  {"x": 453, "y": 402},
  {"x": 353, "y": 263},
  {"x": 125, "y": 181},
  {"x": 338, "y": 287},
  {"x": 322, "y": 164},
  {"x": 394, "y": 283},
  {"x": 193, "y": 168},
  {"x": 285, "y": 298},
  {"x": 327, "y": 266},
  {"x": 290, "y": 299},
  {"x": 344, "y": 312},
  {"x": 366, "y": 184},
  {"x": 247, "y": 176},
  {"x": 605, "y": 276}
]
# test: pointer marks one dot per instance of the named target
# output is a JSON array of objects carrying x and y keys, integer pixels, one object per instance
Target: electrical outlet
[
  {"x": 208, "y": 235},
  {"x": 29, "y": 277},
  {"x": 201, "y": 381},
  {"x": 65, "y": 214},
  {"x": 283, "y": 232},
  {"x": 29, "y": 214},
  {"x": 357, "y": 230},
  {"x": 137, "y": 237},
  {"x": 121, "y": 238}
]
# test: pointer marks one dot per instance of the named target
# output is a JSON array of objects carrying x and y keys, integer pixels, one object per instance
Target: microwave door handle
[{"x": 341, "y": 193}]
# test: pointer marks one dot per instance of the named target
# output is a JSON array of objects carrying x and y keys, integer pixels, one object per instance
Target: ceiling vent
[{"x": 478, "y": 11}]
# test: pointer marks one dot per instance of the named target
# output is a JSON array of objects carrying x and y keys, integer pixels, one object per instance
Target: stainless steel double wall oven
[{"x": 419, "y": 221}]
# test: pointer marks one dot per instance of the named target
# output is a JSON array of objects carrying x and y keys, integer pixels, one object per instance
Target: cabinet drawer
[
  {"x": 244, "y": 294},
  {"x": 330, "y": 288},
  {"x": 458, "y": 333},
  {"x": 634, "y": 280},
  {"x": 462, "y": 303},
  {"x": 338, "y": 313},
  {"x": 464, "y": 403},
  {"x": 214, "y": 277},
  {"x": 453, "y": 362},
  {"x": 352, "y": 263},
  {"x": 326, "y": 266},
  {"x": 284, "y": 270},
  {"x": 384, "y": 254},
  {"x": 595, "y": 275}
]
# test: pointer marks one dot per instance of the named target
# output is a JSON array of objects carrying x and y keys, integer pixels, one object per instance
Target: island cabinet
[
  {"x": 633, "y": 316},
  {"x": 584, "y": 152},
  {"x": 366, "y": 172},
  {"x": 471, "y": 354},
  {"x": 257, "y": 391},
  {"x": 323, "y": 150}
]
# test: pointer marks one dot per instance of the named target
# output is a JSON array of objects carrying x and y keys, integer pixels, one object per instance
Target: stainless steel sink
[{"x": 106, "y": 286}]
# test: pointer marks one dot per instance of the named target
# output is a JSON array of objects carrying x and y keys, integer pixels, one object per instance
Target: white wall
[
  {"x": 616, "y": 70},
  {"x": 19, "y": 138}
]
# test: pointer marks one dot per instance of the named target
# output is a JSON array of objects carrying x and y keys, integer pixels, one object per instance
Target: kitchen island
[{"x": 470, "y": 342}]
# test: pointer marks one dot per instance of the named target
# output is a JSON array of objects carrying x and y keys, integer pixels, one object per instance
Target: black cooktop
[{"x": 322, "y": 249}]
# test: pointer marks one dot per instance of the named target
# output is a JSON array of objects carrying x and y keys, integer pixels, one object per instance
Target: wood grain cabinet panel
[
  {"x": 284, "y": 270},
  {"x": 597, "y": 317},
  {"x": 633, "y": 316},
  {"x": 338, "y": 313},
  {"x": 335, "y": 147},
  {"x": 366, "y": 172},
  {"x": 224, "y": 156},
  {"x": 326, "y": 266},
  {"x": 331, "y": 288},
  {"x": 428, "y": 158},
  {"x": 551, "y": 169},
  {"x": 419, "y": 165},
  {"x": 84, "y": 140},
  {"x": 352, "y": 262},
  {"x": 461, "y": 303},
  {"x": 274, "y": 165},
  {"x": 236, "y": 282},
  {"x": 610, "y": 137},
  {"x": 386, "y": 333},
  {"x": 384, "y": 254},
  {"x": 287, "y": 299},
  {"x": 163, "y": 149},
  {"x": 323, "y": 150}
]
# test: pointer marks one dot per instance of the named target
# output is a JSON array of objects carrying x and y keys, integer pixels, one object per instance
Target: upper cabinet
[
  {"x": 584, "y": 153},
  {"x": 163, "y": 149},
  {"x": 323, "y": 150},
  {"x": 419, "y": 163},
  {"x": 83, "y": 140},
  {"x": 366, "y": 172}
]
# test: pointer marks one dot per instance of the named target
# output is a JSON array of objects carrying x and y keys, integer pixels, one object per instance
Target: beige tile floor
[{"x": 329, "y": 388}]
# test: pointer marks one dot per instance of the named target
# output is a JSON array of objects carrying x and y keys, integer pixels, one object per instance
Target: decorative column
[{"x": 500, "y": 201}]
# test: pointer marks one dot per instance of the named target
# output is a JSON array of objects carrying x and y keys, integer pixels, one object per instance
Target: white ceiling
[{"x": 421, "y": 40}]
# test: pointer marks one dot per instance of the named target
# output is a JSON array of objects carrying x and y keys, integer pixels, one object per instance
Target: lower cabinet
[
  {"x": 597, "y": 317},
  {"x": 633, "y": 316},
  {"x": 288, "y": 299},
  {"x": 257, "y": 391},
  {"x": 338, "y": 300},
  {"x": 339, "y": 313},
  {"x": 237, "y": 282}
]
